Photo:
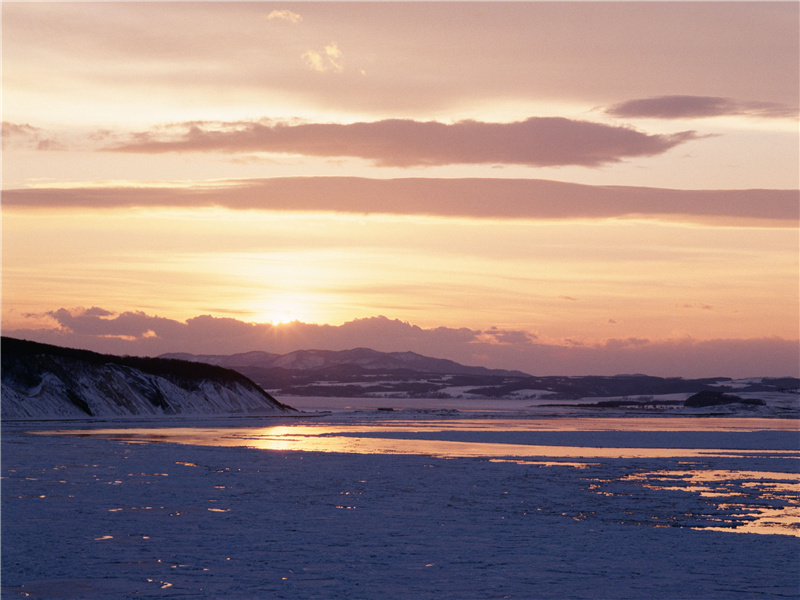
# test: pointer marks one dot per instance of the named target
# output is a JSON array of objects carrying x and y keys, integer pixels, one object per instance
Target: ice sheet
[{"x": 89, "y": 517}]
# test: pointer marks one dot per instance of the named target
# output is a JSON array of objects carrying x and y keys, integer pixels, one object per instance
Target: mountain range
[
  {"x": 363, "y": 372},
  {"x": 45, "y": 381}
]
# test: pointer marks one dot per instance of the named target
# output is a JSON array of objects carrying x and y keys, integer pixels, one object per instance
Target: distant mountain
[
  {"x": 355, "y": 373},
  {"x": 364, "y": 359},
  {"x": 42, "y": 381},
  {"x": 363, "y": 372}
]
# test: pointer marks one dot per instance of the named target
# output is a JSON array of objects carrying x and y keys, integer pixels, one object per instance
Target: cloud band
[
  {"x": 538, "y": 141},
  {"x": 471, "y": 198},
  {"x": 138, "y": 333}
]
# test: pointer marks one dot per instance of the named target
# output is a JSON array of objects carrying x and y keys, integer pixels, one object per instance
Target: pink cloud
[
  {"x": 137, "y": 333},
  {"x": 23, "y": 135},
  {"x": 100, "y": 323},
  {"x": 475, "y": 198},
  {"x": 681, "y": 107},
  {"x": 506, "y": 336},
  {"x": 542, "y": 141}
]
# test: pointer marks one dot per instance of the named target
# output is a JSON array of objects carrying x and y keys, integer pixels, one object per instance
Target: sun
[
  {"x": 282, "y": 315},
  {"x": 280, "y": 310}
]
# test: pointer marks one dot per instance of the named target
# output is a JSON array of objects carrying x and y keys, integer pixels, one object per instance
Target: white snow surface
[{"x": 116, "y": 516}]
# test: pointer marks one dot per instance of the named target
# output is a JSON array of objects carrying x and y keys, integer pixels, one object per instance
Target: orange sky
[{"x": 557, "y": 187}]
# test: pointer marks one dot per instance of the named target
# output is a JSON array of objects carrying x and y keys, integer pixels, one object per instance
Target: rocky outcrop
[{"x": 44, "y": 381}]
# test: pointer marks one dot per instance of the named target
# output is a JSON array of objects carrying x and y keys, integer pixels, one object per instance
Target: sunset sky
[{"x": 563, "y": 188}]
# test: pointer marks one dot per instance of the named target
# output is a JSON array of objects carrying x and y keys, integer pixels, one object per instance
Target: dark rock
[{"x": 708, "y": 398}]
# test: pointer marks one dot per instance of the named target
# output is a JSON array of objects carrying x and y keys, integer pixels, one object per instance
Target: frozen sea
[{"x": 432, "y": 499}]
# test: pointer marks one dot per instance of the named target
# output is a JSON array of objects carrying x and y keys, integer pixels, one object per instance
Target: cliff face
[{"x": 41, "y": 381}]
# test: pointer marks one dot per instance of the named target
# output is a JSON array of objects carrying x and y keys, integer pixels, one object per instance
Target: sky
[{"x": 563, "y": 188}]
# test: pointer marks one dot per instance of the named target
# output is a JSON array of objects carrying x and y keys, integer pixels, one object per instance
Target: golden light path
[{"x": 324, "y": 437}]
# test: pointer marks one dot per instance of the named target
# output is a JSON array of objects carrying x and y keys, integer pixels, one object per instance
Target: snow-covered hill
[
  {"x": 364, "y": 359},
  {"x": 366, "y": 373},
  {"x": 43, "y": 381}
]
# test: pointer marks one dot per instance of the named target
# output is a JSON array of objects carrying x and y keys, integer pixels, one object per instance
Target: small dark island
[{"x": 708, "y": 398}]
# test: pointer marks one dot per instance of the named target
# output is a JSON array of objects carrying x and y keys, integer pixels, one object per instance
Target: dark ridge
[
  {"x": 14, "y": 349},
  {"x": 706, "y": 398},
  {"x": 16, "y": 358},
  {"x": 574, "y": 388}
]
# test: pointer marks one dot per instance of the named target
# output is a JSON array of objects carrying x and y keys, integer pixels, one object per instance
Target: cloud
[
  {"x": 695, "y": 305},
  {"x": 101, "y": 323},
  {"x": 424, "y": 58},
  {"x": 333, "y": 54},
  {"x": 314, "y": 60},
  {"x": 473, "y": 198},
  {"x": 497, "y": 336},
  {"x": 25, "y": 136},
  {"x": 96, "y": 311},
  {"x": 537, "y": 141},
  {"x": 18, "y": 129},
  {"x": 285, "y": 15},
  {"x": 631, "y": 342},
  {"x": 692, "y": 107},
  {"x": 137, "y": 333},
  {"x": 327, "y": 60}
]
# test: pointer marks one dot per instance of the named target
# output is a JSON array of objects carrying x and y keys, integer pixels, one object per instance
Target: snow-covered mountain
[
  {"x": 356, "y": 373},
  {"x": 44, "y": 381},
  {"x": 363, "y": 358},
  {"x": 366, "y": 373}
]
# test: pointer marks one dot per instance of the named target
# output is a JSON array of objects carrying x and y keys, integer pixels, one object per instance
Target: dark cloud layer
[
  {"x": 543, "y": 141},
  {"x": 137, "y": 333},
  {"x": 473, "y": 198},
  {"x": 682, "y": 107}
]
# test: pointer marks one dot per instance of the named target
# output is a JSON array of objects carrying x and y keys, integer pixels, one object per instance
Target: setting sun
[{"x": 283, "y": 310}]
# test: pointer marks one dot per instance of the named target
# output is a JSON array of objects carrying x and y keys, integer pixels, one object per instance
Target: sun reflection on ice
[{"x": 751, "y": 490}]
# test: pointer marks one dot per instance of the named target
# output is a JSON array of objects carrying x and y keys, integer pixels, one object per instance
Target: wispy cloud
[
  {"x": 537, "y": 141},
  {"x": 696, "y": 305},
  {"x": 139, "y": 333},
  {"x": 472, "y": 198},
  {"x": 23, "y": 135},
  {"x": 328, "y": 59},
  {"x": 683, "y": 107},
  {"x": 285, "y": 15}
]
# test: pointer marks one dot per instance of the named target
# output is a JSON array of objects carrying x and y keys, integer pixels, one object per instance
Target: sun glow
[{"x": 285, "y": 309}]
